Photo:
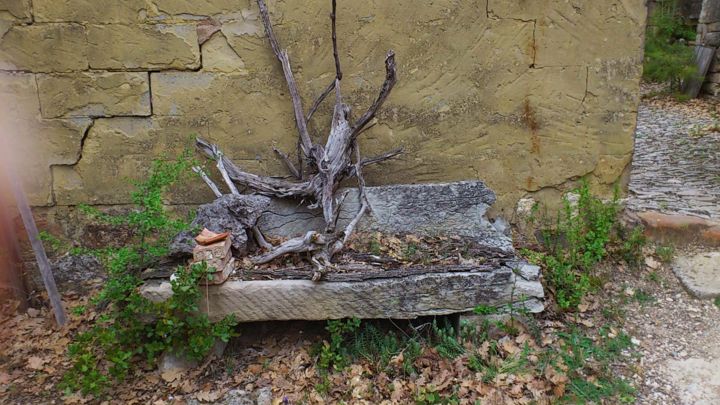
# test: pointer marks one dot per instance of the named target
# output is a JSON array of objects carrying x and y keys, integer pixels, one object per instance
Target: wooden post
[{"x": 38, "y": 248}]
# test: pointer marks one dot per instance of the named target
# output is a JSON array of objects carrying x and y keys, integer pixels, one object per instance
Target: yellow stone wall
[{"x": 527, "y": 95}]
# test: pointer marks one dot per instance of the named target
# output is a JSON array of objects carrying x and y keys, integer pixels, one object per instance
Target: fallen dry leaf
[
  {"x": 172, "y": 374},
  {"x": 652, "y": 263},
  {"x": 208, "y": 396},
  {"x": 36, "y": 363}
]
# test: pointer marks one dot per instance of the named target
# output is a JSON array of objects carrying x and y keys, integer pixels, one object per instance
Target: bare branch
[
  {"x": 321, "y": 167},
  {"x": 310, "y": 242},
  {"x": 351, "y": 172},
  {"x": 262, "y": 185},
  {"x": 206, "y": 179},
  {"x": 320, "y": 99},
  {"x": 260, "y": 239},
  {"x": 364, "y": 204},
  {"x": 281, "y": 54},
  {"x": 224, "y": 173},
  {"x": 379, "y": 158},
  {"x": 338, "y": 72},
  {"x": 290, "y": 166},
  {"x": 390, "y": 80}
]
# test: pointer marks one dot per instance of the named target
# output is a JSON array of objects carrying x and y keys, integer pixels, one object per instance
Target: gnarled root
[{"x": 321, "y": 167}]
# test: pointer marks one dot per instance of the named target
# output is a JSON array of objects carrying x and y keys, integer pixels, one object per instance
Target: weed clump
[
  {"x": 129, "y": 328},
  {"x": 585, "y": 232},
  {"x": 668, "y": 58}
]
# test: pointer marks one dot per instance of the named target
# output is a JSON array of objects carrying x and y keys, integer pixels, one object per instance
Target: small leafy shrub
[
  {"x": 665, "y": 253},
  {"x": 668, "y": 59},
  {"x": 130, "y": 328},
  {"x": 576, "y": 243},
  {"x": 631, "y": 248},
  {"x": 485, "y": 310},
  {"x": 642, "y": 297},
  {"x": 334, "y": 354},
  {"x": 717, "y": 302},
  {"x": 655, "y": 277},
  {"x": 569, "y": 284}
]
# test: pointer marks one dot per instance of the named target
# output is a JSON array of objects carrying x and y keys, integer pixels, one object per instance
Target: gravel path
[
  {"x": 679, "y": 341},
  {"x": 676, "y": 167},
  {"x": 676, "y": 170}
]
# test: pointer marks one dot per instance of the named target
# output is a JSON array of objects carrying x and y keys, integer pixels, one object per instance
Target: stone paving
[{"x": 676, "y": 167}]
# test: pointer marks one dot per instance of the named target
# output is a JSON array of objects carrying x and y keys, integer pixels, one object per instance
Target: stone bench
[{"x": 409, "y": 292}]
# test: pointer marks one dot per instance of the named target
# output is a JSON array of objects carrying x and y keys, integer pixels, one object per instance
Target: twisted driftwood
[{"x": 320, "y": 168}]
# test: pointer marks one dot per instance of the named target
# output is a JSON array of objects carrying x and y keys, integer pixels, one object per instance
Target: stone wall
[
  {"x": 526, "y": 95},
  {"x": 709, "y": 35}
]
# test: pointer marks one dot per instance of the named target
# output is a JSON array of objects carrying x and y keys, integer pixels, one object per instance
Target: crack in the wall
[
  {"x": 534, "y": 38},
  {"x": 53, "y": 198},
  {"x": 82, "y": 142},
  {"x": 533, "y": 47},
  {"x": 37, "y": 92},
  {"x": 150, "y": 92},
  {"x": 587, "y": 79}
]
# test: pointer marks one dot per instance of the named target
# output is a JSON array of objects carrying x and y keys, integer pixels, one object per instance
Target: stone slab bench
[
  {"x": 405, "y": 297},
  {"x": 452, "y": 209}
]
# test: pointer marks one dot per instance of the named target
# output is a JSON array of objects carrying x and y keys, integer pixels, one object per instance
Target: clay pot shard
[{"x": 208, "y": 237}]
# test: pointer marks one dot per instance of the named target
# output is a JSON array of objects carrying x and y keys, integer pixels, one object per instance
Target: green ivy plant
[{"x": 131, "y": 330}]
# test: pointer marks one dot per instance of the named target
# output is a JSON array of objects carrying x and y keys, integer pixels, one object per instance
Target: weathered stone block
[
  {"x": 92, "y": 11},
  {"x": 613, "y": 85},
  {"x": 44, "y": 48},
  {"x": 607, "y": 32},
  {"x": 72, "y": 272},
  {"x": 711, "y": 39},
  {"x": 16, "y": 10},
  {"x": 699, "y": 273},
  {"x": 205, "y": 94},
  {"x": 435, "y": 209},
  {"x": 237, "y": 107},
  {"x": 35, "y": 145},
  {"x": 710, "y": 13},
  {"x": 117, "y": 150},
  {"x": 165, "y": 10},
  {"x": 712, "y": 89},
  {"x": 140, "y": 47},
  {"x": 218, "y": 56},
  {"x": 94, "y": 94}
]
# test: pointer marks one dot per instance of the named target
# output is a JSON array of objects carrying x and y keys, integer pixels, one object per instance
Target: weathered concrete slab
[
  {"x": 396, "y": 298},
  {"x": 450, "y": 208},
  {"x": 699, "y": 273}
]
